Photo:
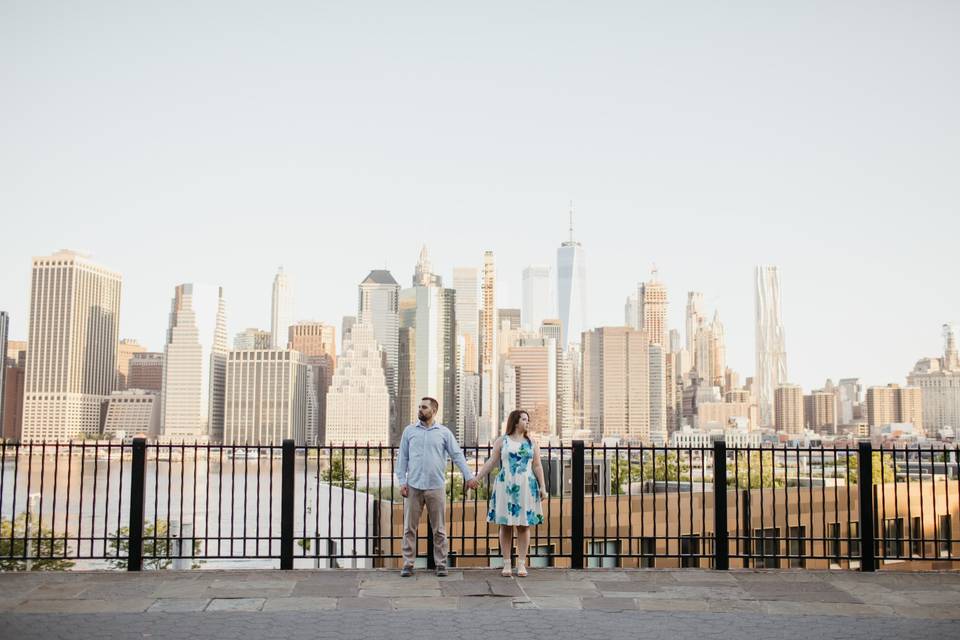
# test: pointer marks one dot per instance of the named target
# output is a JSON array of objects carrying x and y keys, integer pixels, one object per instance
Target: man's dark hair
[{"x": 433, "y": 402}]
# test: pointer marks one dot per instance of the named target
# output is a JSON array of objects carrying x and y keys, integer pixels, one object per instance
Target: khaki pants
[{"x": 434, "y": 500}]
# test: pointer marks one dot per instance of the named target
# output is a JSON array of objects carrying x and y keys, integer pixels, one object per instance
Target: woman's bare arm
[{"x": 492, "y": 461}]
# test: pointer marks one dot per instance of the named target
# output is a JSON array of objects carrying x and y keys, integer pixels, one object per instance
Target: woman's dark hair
[{"x": 514, "y": 419}]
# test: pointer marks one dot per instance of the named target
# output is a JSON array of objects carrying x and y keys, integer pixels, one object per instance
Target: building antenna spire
[{"x": 571, "y": 221}]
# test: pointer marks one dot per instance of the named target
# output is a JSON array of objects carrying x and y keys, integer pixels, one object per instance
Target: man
[{"x": 421, "y": 462}]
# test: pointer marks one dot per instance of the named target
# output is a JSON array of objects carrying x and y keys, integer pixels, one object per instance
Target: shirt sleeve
[
  {"x": 402, "y": 455},
  {"x": 453, "y": 449}
]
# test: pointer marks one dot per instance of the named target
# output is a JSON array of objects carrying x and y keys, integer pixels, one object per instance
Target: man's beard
[{"x": 421, "y": 416}]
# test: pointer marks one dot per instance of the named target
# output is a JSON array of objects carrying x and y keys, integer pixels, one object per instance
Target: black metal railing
[{"x": 142, "y": 505}]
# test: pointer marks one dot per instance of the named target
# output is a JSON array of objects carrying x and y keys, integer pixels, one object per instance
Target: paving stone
[
  {"x": 944, "y": 597},
  {"x": 58, "y": 590},
  {"x": 629, "y": 586},
  {"x": 299, "y": 604},
  {"x": 735, "y": 606},
  {"x": 425, "y": 603},
  {"x": 236, "y": 604},
  {"x": 671, "y": 605},
  {"x": 599, "y": 576},
  {"x": 465, "y": 588},
  {"x": 586, "y": 589},
  {"x": 364, "y": 603},
  {"x": 400, "y": 590},
  {"x": 510, "y": 588},
  {"x": 486, "y": 602},
  {"x": 825, "y": 609},
  {"x": 609, "y": 604},
  {"x": 557, "y": 602},
  {"x": 316, "y": 588},
  {"x": 179, "y": 605},
  {"x": 84, "y": 606},
  {"x": 9, "y": 604},
  {"x": 927, "y": 612}
]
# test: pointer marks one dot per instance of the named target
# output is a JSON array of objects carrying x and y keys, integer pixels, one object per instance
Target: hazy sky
[{"x": 214, "y": 141}]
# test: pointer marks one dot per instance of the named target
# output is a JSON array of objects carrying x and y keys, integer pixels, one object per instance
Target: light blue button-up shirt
[{"x": 422, "y": 458}]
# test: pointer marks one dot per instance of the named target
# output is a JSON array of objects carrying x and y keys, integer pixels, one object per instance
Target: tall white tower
[
  {"x": 771, "y": 369},
  {"x": 281, "y": 310},
  {"x": 572, "y": 288}
]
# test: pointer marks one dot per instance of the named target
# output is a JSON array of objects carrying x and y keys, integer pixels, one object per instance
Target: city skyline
[
  {"x": 704, "y": 146},
  {"x": 735, "y": 361}
]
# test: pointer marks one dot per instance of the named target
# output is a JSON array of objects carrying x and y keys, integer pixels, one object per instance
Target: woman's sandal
[
  {"x": 506, "y": 572},
  {"x": 521, "y": 570}
]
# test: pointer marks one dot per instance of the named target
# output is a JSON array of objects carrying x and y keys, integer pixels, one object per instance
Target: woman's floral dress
[{"x": 516, "y": 493}]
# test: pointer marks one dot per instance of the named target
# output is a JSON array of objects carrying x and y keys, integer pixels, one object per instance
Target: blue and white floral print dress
[{"x": 516, "y": 493}]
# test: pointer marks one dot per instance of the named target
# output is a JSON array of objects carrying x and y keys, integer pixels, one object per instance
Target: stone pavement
[{"x": 551, "y": 603}]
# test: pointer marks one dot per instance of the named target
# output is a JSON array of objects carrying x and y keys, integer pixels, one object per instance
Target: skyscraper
[
  {"x": 317, "y": 342},
  {"x": 771, "y": 350},
  {"x": 194, "y": 364},
  {"x": 939, "y": 381},
  {"x": 535, "y": 365},
  {"x": 788, "y": 408},
  {"x": 895, "y": 404},
  {"x": 657, "y": 376},
  {"x": 537, "y": 303},
  {"x": 710, "y": 352},
  {"x": 281, "y": 309},
  {"x": 423, "y": 275},
  {"x": 358, "y": 401},
  {"x": 379, "y": 306},
  {"x": 616, "y": 384},
  {"x": 428, "y": 362},
  {"x": 466, "y": 282},
  {"x": 572, "y": 288},
  {"x": 489, "y": 421},
  {"x": 695, "y": 314},
  {"x": 313, "y": 339},
  {"x": 652, "y": 297},
  {"x": 820, "y": 411},
  {"x": 72, "y": 357},
  {"x": 253, "y": 338},
  {"x": 146, "y": 372},
  {"x": 266, "y": 397},
  {"x": 848, "y": 394},
  {"x": 127, "y": 349}
]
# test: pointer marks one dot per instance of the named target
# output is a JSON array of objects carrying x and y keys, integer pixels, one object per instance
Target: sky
[{"x": 215, "y": 141}]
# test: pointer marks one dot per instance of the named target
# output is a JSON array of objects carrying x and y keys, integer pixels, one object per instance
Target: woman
[{"x": 517, "y": 490}]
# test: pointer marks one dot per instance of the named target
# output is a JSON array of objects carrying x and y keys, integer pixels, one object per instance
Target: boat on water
[{"x": 246, "y": 453}]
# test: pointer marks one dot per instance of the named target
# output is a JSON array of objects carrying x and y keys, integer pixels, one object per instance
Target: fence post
[
  {"x": 721, "y": 540},
  {"x": 868, "y": 560},
  {"x": 138, "y": 473},
  {"x": 576, "y": 528},
  {"x": 286, "y": 505}
]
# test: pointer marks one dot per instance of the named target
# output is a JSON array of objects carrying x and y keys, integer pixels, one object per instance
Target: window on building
[
  {"x": 893, "y": 537},
  {"x": 797, "y": 547},
  {"x": 916, "y": 537},
  {"x": 766, "y": 548},
  {"x": 833, "y": 537},
  {"x": 648, "y": 551},
  {"x": 945, "y": 535},
  {"x": 690, "y": 551},
  {"x": 603, "y": 554}
]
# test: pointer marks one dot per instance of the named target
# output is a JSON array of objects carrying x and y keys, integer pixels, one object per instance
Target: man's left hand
[{"x": 472, "y": 483}]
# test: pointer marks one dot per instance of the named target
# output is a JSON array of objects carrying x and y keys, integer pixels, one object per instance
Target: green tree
[
  {"x": 155, "y": 545},
  {"x": 883, "y": 468},
  {"x": 337, "y": 473},
  {"x": 661, "y": 467},
  {"x": 42, "y": 541},
  {"x": 454, "y": 488},
  {"x": 753, "y": 471}
]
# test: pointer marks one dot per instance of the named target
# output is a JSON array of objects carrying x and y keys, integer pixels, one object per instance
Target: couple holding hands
[{"x": 515, "y": 503}]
